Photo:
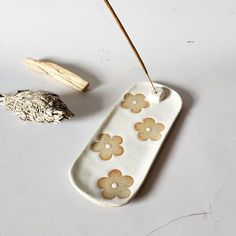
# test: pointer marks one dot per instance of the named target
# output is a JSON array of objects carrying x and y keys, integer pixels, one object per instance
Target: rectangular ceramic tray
[{"x": 114, "y": 164}]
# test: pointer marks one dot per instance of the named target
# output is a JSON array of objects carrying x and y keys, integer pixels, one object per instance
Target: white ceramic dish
[{"x": 114, "y": 164}]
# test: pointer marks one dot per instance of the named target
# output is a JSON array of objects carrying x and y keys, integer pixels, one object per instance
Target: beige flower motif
[
  {"x": 108, "y": 146},
  {"x": 135, "y": 102},
  {"x": 149, "y": 129},
  {"x": 115, "y": 185}
]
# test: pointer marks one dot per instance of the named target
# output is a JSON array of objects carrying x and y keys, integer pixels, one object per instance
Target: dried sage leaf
[{"x": 36, "y": 106}]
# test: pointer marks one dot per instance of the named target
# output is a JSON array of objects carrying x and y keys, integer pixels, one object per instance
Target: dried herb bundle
[{"x": 37, "y": 106}]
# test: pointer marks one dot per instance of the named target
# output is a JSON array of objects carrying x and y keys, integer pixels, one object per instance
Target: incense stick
[{"x": 129, "y": 41}]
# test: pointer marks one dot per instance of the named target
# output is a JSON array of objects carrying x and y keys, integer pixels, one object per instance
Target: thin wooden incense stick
[{"x": 129, "y": 41}]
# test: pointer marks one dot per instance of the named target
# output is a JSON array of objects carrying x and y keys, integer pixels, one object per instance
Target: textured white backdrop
[{"x": 186, "y": 44}]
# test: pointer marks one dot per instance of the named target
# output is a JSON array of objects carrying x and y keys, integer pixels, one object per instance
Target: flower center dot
[
  {"x": 148, "y": 129},
  {"x": 114, "y": 185},
  {"x": 108, "y": 146},
  {"x": 134, "y": 102}
]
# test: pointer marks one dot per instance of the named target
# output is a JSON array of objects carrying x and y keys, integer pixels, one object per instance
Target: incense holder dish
[{"x": 115, "y": 162}]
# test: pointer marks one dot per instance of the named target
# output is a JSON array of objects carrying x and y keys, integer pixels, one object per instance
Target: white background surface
[{"x": 196, "y": 170}]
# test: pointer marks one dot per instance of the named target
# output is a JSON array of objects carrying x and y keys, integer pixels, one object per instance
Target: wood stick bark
[{"x": 59, "y": 73}]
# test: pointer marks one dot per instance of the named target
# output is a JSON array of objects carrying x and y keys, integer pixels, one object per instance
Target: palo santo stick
[{"x": 58, "y": 73}]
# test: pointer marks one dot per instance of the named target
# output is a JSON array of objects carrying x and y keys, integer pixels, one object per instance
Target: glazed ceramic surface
[{"x": 114, "y": 164}]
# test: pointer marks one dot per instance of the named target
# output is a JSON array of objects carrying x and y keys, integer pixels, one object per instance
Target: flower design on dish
[
  {"x": 108, "y": 146},
  {"x": 134, "y": 102},
  {"x": 115, "y": 185},
  {"x": 149, "y": 129}
]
